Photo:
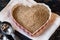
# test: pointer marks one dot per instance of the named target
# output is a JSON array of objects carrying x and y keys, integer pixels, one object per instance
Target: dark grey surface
[{"x": 3, "y": 3}]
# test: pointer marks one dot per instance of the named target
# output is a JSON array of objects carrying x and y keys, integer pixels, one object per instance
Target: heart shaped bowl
[{"x": 41, "y": 29}]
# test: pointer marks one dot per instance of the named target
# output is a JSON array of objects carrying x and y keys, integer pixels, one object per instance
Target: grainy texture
[
  {"x": 31, "y": 18},
  {"x": 48, "y": 25}
]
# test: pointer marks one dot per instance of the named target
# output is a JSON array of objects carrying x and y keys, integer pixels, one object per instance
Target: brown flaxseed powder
[{"x": 31, "y": 18}]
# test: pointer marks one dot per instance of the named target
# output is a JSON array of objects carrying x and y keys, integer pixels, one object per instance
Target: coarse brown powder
[{"x": 31, "y": 18}]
